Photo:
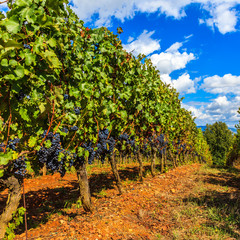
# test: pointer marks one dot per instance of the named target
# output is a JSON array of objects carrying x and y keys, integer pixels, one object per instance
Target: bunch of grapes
[
  {"x": 20, "y": 95},
  {"x": 88, "y": 147},
  {"x": 123, "y": 137},
  {"x": 77, "y": 110},
  {"x": 19, "y": 166},
  {"x": 2, "y": 147},
  {"x": 74, "y": 128},
  {"x": 111, "y": 143},
  {"x": 65, "y": 96},
  {"x": 65, "y": 130},
  {"x": 50, "y": 156},
  {"x": 12, "y": 144}
]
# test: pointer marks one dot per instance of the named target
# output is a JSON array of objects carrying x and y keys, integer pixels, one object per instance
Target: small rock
[{"x": 62, "y": 221}]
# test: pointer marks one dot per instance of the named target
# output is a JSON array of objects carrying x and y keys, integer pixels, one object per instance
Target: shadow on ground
[
  {"x": 223, "y": 206},
  {"x": 42, "y": 204}
]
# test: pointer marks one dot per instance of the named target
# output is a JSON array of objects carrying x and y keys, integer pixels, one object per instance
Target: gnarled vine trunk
[
  {"x": 14, "y": 197},
  {"x": 162, "y": 163},
  {"x": 139, "y": 158},
  {"x": 115, "y": 173},
  {"x": 44, "y": 169},
  {"x": 153, "y": 163},
  {"x": 85, "y": 195}
]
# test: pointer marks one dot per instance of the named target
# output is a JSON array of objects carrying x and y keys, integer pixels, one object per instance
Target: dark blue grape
[
  {"x": 65, "y": 130},
  {"x": 74, "y": 128},
  {"x": 20, "y": 166}
]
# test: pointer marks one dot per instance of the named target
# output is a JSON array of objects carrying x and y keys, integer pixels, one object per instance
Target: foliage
[
  {"x": 58, "y": 75},
  {"x": 63, "y": 84},
  {"x": 16, "y": 221},
  {"x": 219, "y": 139},
  {"x": 234, "y": 153}
]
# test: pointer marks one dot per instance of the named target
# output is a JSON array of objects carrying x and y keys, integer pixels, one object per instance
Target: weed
[
  {"x": 78, "y": 204},
  {"x": 159, "y": 236},
  {"x": 103, "y": 193}
]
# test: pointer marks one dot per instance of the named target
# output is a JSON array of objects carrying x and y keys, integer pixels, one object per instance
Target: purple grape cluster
[
  {"x": 12, "y": 144},
  {"x": 2, "y": 147},
  {"x": 50, "y": 156},
  {"x": 20, "y": 166},
  {"x": 77, "y": 110},
  {"x": 20, "y": 95},
  {"x": 74, "y": 128},
  {"x": 88, "y": 147}
]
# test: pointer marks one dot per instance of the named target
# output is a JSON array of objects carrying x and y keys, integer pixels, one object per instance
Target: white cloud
[
  {"x": 121, "y": 9},
  {"x": 223, "y": 14},
  {"x": 183, "y": 84},
  {"x": 226, "y": 84},
  {"x": 174, "y": 47},
  {"x": 172, "y": 59},
  {"x": 172, "y": 8},
  {"x": 218, "y": 106},
  {"x": 130, "y": 39},
  {"x": 198, "y": 113},
  {"x": 189, "y": 36},
  {"x": 219, "y": 109},
  {"x": 143, "y": 44},
  {"x": 166, "y": 79}
]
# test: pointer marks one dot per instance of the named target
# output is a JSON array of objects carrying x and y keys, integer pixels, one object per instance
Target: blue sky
[{"x": 194, "y": 44}]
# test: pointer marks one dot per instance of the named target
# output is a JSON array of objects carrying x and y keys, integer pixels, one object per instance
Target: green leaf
[
  {"x": 1, "y": 173},
  {"x": 12, "y": 24},
  {"x": 48, "y": 144},
  {"x": 23, "y": 3},
  {"x": 12, "y": 44},
  {"x": 19, "y": 71},
  {"x": 74, "y": 92},
  {"x": 32, "y": 141},
  {"x": 4, "y": 62},
  {"x": 42, "y": 107},
  {"x": 52, "y": 42},
  {"x": 5, "y": 157},
  {"x": 24, "y": 114},
  {"x": 13, "y": 62},
  {"x": 30, "y": 58},
  {"x": 51, "y": 58}
]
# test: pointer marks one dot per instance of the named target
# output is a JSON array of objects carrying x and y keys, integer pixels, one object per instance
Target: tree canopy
[{"x": 219, "y": 138}]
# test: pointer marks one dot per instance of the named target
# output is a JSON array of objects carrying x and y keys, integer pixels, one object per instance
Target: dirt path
[{"x": 173, "y": 205}]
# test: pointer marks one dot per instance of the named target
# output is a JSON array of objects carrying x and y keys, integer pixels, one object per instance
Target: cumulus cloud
[
  {"x": 223, "y": 13},
  {"x": 218, "y": 106},
  {"x": 121, "y": 9},
  {"x": 143, "y": 44},
  {"x": 172, "y": 59},
  {"x": 184, "y": 84},
  {"x": 223, "y": 16},
  {"x": 171, "y": 8},
  {"x": 167, "y": 61},
  {"x": 198, "y": 113},
  {"x": 226, "y": 84},
  {"x": 219, "y": 109}
]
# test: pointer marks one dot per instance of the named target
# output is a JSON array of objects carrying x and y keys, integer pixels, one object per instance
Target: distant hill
[{"x": 204, "y": 127}]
